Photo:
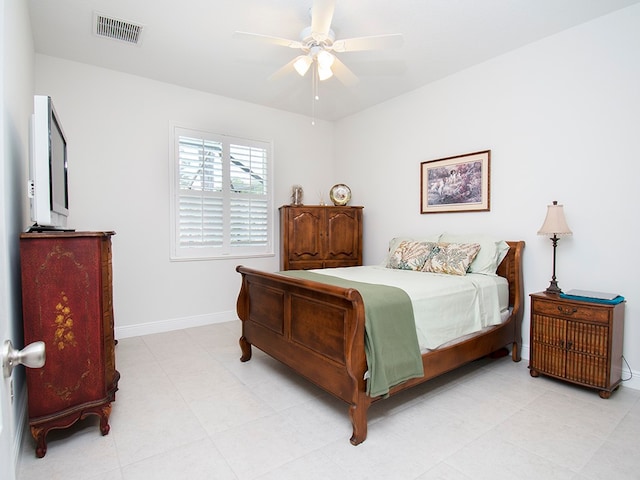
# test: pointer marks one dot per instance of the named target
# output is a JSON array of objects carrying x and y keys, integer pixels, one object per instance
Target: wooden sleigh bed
[{"x": 318, "y": 330}]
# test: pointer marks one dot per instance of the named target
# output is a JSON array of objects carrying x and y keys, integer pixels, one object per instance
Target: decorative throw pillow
[
  {"x": 451, "y": 258},
  {"x": 491, "y": 253},
  {"x": 394, "y": 242},
  {"x": 410, "y": 255}
]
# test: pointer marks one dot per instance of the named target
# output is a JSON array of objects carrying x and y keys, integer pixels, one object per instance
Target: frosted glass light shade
[
  {"x": 302, "y": 64},
  {"x": 324, "y": 72},
  {"x": 325, "y": 59}
]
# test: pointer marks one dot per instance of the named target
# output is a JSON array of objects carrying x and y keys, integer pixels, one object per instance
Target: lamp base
[{"x": 553, "y": 288}]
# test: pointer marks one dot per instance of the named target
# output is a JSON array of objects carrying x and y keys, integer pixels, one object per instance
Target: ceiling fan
[{"x": 319, "y": 45}]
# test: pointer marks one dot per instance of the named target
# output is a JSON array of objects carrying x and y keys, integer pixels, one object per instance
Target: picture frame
[{"x": 456, "y": 184}]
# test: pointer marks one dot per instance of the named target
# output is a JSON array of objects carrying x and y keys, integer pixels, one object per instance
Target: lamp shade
[
  {"x": 555, "y": 223},
  {"x": 302, "y": 64},
  {"x": 324, "y": 73},
  {"x": 325, "y": 59}
]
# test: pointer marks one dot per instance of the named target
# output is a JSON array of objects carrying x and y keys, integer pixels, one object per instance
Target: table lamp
[{"x": 554, "y": 224}]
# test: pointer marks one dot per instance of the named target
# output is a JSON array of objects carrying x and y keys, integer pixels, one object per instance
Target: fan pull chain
[{"x": 314, "y": 92}]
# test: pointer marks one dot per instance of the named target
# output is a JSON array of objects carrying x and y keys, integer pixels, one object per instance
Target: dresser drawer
[{"x": 573, "y": 311}]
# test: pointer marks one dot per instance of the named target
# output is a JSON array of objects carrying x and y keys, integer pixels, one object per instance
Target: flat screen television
[{"x": 48, "y": 168}]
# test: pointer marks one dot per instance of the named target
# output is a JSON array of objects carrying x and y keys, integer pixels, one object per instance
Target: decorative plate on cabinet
[{"x": 340, "y": 194}]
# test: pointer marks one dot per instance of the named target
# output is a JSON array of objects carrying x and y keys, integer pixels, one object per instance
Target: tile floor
[{"x": 187, "y": 408}]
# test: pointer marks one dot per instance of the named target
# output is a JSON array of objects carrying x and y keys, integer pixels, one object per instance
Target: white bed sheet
[{"x": 445, "y": 307}]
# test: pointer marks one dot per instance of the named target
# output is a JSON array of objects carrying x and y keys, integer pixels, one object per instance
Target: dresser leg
[
  {"x": 104, "y": 419},
  {"x": 40, "y": 436}
]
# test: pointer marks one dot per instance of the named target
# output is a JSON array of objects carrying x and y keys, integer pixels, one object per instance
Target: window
[{"x": 221, "y": 196}]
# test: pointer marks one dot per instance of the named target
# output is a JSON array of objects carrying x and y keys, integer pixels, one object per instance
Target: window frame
[{"x": 227, "y": 250}]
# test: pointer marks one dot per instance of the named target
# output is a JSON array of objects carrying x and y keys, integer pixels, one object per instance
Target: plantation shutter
[
  {"x": 249, "y": 205},
  {"x": 200, "y": 200},
  {"x": 222, "y": 204}
]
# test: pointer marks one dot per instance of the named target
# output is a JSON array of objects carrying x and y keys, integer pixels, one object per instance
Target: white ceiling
[{"x": 191, "y": 43}]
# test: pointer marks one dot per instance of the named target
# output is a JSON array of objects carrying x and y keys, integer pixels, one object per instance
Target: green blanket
[{"x": 391, "y": 343}]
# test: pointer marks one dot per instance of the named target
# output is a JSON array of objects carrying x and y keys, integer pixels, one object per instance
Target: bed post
[
  {"x": 358, "y": 416},
  {"x": 511, "y": 269},
  {"x": 356, "y": 363},
  {"x": 242, "y": 310}
]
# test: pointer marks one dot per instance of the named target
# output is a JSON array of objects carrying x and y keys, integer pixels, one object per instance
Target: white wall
[
  {"x": 16, "y": 105},
  {"x": 118, "y": 132},
  {"x": 561, "y": 119}
]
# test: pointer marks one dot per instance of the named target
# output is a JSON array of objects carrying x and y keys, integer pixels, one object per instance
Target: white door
[
  {"x": 6, "y": 431},
  {"x": 6, "y": 410},
  {"x": 6, "y": 413}
]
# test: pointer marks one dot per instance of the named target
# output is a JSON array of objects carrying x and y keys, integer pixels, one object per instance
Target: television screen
[{"x": 59, "y": 193}]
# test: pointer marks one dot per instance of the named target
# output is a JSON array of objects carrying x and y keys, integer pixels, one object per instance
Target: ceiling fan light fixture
[
  {"x": 324, "y": 73},
  {"x": 325, "y": 59},
  {"x": 302, "y": 64}
]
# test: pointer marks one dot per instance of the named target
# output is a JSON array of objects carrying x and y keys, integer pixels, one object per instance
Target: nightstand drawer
[{"x": 590, "y": 313}]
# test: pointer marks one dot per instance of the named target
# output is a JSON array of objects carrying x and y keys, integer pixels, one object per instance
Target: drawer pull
[{"x": 567, "y": 310}]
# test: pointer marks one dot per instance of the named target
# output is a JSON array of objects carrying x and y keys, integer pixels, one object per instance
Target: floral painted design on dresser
[{"x": 63, "y": 335}]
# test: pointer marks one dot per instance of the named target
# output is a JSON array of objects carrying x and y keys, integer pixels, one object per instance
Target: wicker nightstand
[{"x": 576, "y": 341}]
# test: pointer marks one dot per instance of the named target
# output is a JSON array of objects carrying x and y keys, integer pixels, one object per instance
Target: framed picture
[{"x": 456, "y": 184}]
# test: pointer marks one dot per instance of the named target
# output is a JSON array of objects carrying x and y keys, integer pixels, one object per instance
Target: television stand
[{"x": 35, "y": 228}]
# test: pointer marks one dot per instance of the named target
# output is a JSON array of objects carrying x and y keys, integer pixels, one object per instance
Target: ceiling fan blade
[
  {"x": 321, "y": 17},
  {"x": 342, "y": 73},
  {"x": 283, "y": 71},
  {"x": 375, "y": 42},
  {"x": 269, "y": 39}
]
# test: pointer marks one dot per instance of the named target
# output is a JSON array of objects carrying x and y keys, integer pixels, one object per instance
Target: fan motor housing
[{"x": 310, "y": 39}]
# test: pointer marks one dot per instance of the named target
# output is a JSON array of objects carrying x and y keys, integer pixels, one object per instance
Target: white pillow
[{"x": 491, "y": 253}]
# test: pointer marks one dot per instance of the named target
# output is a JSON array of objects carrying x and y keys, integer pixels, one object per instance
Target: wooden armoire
[{"x": 318, "y": 236}]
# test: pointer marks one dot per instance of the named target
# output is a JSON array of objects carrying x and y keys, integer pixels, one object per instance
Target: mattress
[{"x": 445, "y": 307}]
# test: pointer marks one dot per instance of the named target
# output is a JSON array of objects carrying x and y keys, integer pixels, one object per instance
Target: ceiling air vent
[{"x": 117, "y": 29}]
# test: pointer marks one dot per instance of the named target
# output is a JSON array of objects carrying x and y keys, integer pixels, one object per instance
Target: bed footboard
[{"x": 316, "y": 329}]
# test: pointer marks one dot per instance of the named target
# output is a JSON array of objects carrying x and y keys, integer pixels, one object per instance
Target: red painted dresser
[{"x": 68, "y": 303}]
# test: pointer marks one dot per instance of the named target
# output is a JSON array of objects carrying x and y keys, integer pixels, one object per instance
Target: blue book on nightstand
[{"x": 594, "y": 297}]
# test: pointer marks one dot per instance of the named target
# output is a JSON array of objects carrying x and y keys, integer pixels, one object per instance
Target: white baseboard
[
  {"x": 171, "y": 324},
  {"x": 21, "y": 427},
  {"x": 630, "y": 378},
  {"x": 209, "y": 319},
  {"x": 633, "y": 382}
]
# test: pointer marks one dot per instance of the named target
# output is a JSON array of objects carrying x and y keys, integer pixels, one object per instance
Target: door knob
[{"x": 32, "y": 356}]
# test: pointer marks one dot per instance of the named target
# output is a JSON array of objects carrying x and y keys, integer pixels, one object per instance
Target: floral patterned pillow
[
  {"x": 410, "y": 255},
  {"x": 491, "y": 253},
  {"x": 451, "y": 258}
]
